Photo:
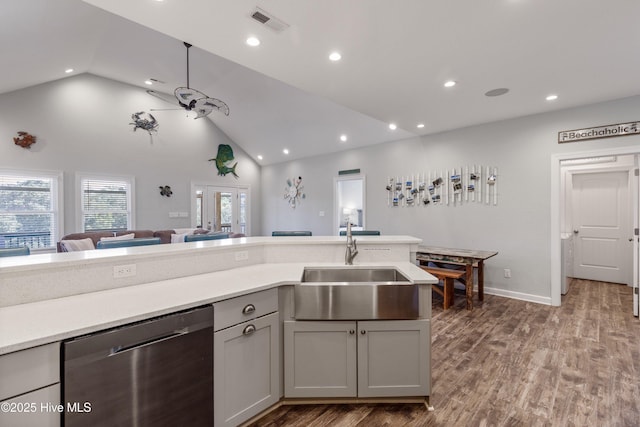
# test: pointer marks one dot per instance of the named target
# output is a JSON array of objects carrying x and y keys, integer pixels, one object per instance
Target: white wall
[
  {"x": 518, "y": 227},
  {"x": 82, "y": 125}
]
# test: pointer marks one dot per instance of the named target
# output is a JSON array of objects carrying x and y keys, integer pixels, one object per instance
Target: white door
[{"x": 603, "y": 248}]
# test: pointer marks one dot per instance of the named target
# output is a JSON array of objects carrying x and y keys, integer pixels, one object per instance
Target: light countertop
[{"x": 28, "y": 325}]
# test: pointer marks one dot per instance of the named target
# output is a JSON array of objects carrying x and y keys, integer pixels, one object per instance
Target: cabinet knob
[
  {"x": 362, "y": 332},
  {"x": 250, "y": 308},
  {"x": 351, "y": 332},
  {"x": 248, "y": 330}
]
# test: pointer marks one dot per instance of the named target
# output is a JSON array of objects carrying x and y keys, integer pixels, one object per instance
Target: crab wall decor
[
  {"x": 24, "y": 139},
  {"x": 293, "y": 191},
  {"x": 150, "y": 124}
]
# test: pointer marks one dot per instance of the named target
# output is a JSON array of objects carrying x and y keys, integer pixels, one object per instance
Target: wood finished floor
[{"x": 513, "y": 363}]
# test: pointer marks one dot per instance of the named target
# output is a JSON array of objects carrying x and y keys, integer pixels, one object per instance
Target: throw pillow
[
  {"x": 178, "y": 238},
  {"x": 77, "y": 245},
  {"x": 123, "y": 237}
]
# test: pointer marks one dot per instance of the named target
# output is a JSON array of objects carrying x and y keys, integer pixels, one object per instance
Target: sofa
[{"x": 78, "y": 241}]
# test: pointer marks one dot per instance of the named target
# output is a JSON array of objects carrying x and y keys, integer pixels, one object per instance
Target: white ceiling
[{"x": 396, "y": 57}]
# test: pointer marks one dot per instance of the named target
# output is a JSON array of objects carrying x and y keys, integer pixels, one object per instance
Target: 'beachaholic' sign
[{"x": 609, "y": 131}]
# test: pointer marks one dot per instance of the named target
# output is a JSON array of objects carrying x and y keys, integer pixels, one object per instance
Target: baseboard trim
[{"x": 518, "y": 295}]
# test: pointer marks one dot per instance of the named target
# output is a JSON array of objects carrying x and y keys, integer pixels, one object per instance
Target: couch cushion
[
  {"x": 164, "y": 235},
  {"x": 93, "y": 235}
]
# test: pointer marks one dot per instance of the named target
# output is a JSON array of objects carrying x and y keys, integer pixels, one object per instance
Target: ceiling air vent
[{"x": 267, "y": 19}]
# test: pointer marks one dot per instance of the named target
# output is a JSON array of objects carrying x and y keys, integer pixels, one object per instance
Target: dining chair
[{"x": 22, "y": 250}]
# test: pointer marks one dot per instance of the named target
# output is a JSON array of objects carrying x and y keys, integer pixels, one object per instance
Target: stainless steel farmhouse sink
[
  {"x": 383, "y": 274},
  {"x": 351, "y": 293}
]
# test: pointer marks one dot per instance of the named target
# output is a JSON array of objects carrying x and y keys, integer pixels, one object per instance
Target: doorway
[
  {"x": 349, "y": 204},
  {"x": 220, "y": 209},
  {"x": 560, "y": 216}
]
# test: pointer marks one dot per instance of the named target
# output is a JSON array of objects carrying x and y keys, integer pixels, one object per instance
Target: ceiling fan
[{"x": 191, "y": 99}]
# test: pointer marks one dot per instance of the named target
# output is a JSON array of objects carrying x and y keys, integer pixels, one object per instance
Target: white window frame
[
  {"x": 57, "y": 199},
  {"x": 81, "y": 176}
]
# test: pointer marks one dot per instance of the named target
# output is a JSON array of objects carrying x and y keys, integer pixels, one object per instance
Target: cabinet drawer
[
  {"x": 237, "y": 310},
  {"x": 29, "y": 369}
]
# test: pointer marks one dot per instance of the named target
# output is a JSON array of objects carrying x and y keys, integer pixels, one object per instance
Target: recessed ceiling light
[
  {"x": 343, "y": 138},
  {"x": 393, "y": 126},
  {"x": 259, "y": 156},
  {"x": 420, "y": 125},
  {"x": 285, "y": 151},
  {"x": 68, "y": 70},
  {"x": 551, "y": 97},
  {"x": 449, "y": 83},
  {"x": 335, "y": 56},
  {"x": 148, "y": 82},
  {"x": 253, "y": 41}
]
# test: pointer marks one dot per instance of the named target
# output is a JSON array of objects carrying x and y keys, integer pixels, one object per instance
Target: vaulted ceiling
[{"x": 396, "y": 57}]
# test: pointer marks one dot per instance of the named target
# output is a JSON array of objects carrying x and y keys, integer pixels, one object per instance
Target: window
[
  {"x": 30, "y": 209},
  {"x": 106, "y": 203}
]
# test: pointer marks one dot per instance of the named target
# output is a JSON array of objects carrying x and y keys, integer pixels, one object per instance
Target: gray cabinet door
[
  {"x": 394, "y": 358},
  {"x": 320, "y": 359},
  {"x": 35, "y": 409},
  {"x": 246, "y": 370}
]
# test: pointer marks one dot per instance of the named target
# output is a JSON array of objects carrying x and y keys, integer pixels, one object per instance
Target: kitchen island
[{"x": 53, "y": 297}]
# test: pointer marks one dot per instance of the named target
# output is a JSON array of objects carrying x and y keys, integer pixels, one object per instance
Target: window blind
[{"x": 106, "y": 204}]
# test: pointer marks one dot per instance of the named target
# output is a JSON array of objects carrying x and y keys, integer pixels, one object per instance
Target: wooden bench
[{"x": 447, "y": 276}]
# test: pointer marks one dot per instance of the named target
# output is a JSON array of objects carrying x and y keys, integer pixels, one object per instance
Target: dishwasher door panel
[{"x": 165, "y": 382}]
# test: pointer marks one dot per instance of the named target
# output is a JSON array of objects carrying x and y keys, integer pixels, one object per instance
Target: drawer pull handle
[
  {"x": 248, "y": 330},
  {"x": 250, "y": 308}
]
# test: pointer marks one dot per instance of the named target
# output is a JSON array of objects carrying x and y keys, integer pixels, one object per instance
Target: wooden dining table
[{"x": 466, "y": 259}]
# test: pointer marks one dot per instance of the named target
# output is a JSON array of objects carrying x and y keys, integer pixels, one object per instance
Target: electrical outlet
[
  {"x": 120, "y": 271},
  {"x": 507, "y": 273},
  {"x": 242, "y": 255}
]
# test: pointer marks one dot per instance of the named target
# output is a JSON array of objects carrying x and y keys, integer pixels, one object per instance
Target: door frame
[
  {"x": 336, "y": 201},
  {"x": 235, "y": 189},
  {"x": 558, "y": 213}
]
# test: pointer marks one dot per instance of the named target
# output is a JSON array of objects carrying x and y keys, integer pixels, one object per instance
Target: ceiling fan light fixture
[{"x": 194, "y": 100}]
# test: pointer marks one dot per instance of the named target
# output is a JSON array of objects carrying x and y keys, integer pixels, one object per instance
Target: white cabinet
[
  {"x": 30, "y": 387},
  {"x": 246, "y": 357},
  {"x": 357, "y": 359}
]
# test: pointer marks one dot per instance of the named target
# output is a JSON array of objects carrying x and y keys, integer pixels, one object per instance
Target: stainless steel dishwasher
[{"x": 153, "y": 373}]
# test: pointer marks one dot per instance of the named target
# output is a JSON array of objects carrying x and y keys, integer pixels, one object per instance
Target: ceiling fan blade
[
  {"x": 210, "y": 104},
  {"x": 163, "y": 96}
]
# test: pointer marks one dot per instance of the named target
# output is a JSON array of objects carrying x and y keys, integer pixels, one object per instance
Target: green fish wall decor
[{"x": 223, "y": 158}]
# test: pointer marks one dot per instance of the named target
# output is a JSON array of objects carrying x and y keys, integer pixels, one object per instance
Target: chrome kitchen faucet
[{"x": 352, "y": 249}]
